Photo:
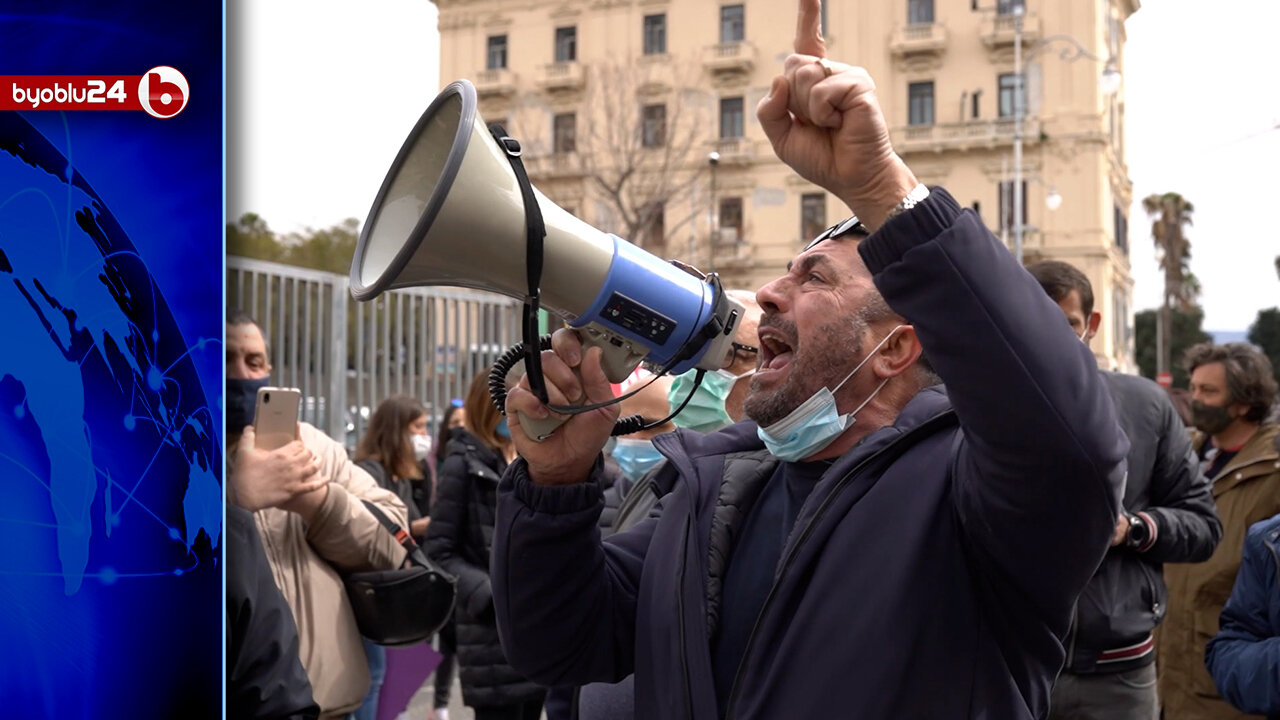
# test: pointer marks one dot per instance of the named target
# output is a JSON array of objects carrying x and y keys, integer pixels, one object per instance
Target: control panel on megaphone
[
  {"x": 456, "y": 209},
  {"x": 705, "y": 323}
]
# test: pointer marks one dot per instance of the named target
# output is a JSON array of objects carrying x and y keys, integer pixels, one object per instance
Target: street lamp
[
  {"x": 1053, "y": 200},
  {"x": 1108, "y": 83},
  {"x": 713, "y": 159}
]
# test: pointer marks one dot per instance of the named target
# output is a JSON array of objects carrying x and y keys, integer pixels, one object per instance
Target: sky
[{"x": 314, "y": 125}]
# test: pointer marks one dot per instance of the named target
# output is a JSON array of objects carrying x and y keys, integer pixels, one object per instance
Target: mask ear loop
[{"x": 874, "y": 350}]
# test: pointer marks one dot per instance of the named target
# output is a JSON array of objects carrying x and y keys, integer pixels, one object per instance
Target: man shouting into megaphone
[{"x": 870, "y": 544}]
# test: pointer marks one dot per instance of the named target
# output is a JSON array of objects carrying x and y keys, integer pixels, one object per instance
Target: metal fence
[{"x": 347, "y": 357}]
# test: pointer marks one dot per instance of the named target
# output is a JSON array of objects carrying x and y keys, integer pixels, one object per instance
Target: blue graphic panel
[{"x": 110, "y": 373}]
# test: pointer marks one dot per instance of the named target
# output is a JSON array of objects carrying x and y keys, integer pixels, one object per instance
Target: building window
[
  {"x": 565, "y": 129},
  {"x": 1008, "y": 7},
  {"x": 813, "y": 215},
  {"x": 496, "y": 59},
  {"x": 1011, "y": 92},
  {"x": 566, "y": 44},
  {"x": 919, "y": 12},
  {"x": 653, "y": 126},
  {"x": 920, "y": 108},
  {"x": 730, "y": 118},
  {"x": 654, "y": 234},
  {"x": 733, "y": 24},
  {"x": 1121, "y": 229},
  {"x": 655, "y": 34},
  {"x": 730, "y": 220},
  {"x": 977, "y": 94},
  {"x": 1006, "y": 205},
  {"x": 1121, "y": 326}
]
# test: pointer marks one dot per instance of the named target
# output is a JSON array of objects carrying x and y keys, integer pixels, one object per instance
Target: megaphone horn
[{"x": 451, "y": 212}]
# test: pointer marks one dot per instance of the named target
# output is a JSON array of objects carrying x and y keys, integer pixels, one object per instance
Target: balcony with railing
[
  {"x": 561, "y": 76},
  {"x": 729, "y": 58},
  {"x": 499, "y": 82},
  {"x": 656, "y": 74},
  {"x": 999, "y": 31},
  {"x": 738, "y": 150},
  {"x": 919, "y": 39},
  {"x": 973, "y": 134},
  {"x": 551, "y": 166},
  {"x": 733, "y": 251}
]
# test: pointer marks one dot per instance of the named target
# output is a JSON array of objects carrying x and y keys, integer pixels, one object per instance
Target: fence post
[{"x": 340, "y": 303}]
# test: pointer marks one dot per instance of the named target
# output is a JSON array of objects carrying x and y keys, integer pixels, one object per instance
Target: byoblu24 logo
[{"x": 163, "y": 91}]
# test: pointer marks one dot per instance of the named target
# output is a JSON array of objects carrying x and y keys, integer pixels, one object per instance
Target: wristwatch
[
  {"x": 913, "y": 198},
  {"x": 1139, "y": 532}
]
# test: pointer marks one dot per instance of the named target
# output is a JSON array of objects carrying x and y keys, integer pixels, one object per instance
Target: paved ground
[{"x": 422, "y": 703}]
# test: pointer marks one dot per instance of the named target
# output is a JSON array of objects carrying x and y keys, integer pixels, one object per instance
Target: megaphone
[{"x": 451, "y": 212}]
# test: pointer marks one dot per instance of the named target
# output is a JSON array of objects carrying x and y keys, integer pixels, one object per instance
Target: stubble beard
[{"x": 835, "y": 349}]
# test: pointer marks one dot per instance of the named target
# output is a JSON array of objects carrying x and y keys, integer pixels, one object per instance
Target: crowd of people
[{"x": 909, "y": 492}]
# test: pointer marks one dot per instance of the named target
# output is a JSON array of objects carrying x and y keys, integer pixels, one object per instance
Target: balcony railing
[
  {"x": 499, "y": 82},
  {"x": 733, "y": 250},
  {"x": 919, "y": 39},
  {"x": 734, "y": 57},
  {"x": 960, "y": 136},
  {"x": 553, "y": 165},
  {"x": 561, "y": 76},
  {"x": 735, "y": 150},
  {"x": 998, "y": 30}
]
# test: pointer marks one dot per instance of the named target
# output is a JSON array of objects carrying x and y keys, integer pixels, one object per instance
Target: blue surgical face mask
[
  {"x": 635, "y": 457},
  {"x": 705, "y": 411},
  {"x": 815, "y": 423},
  {"x": 242, "y": 402},
  {"x": 502, "y": 430}
]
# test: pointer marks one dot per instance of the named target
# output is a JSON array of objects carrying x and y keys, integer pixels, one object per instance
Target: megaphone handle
[{"x": 618, "y": 363}]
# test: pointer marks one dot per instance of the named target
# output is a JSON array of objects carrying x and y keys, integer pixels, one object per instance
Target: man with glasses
[{"x": 872, "y": 546}]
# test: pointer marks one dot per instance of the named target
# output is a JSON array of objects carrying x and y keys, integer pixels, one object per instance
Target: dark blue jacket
[
  {"x": 1244, "y": 657},
  {"x": 931, "y": 572}
]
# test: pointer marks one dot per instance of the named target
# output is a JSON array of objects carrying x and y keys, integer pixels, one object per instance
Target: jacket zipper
[
  {"x": 804, "y": 534},
  {"x": 684, "y": 648}
]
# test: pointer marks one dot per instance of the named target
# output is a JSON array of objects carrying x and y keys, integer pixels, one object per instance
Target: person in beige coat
[
  {"x": 306, "y": 499},
  {"x": 1232, "y": 388}
]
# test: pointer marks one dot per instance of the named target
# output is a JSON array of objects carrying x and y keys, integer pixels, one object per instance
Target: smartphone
[{"x": 275, "y": 422}]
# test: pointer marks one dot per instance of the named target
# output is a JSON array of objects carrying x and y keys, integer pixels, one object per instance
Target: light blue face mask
[
  {"x": 635, "y": 457},
  {"x": 705, "y": 411},
  {"x": 815, "y": 423}
]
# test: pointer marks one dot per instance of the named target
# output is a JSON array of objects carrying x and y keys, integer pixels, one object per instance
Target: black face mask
[
  {"x": 1210, "y": 419},
  {"x": 242, "y": 402}
]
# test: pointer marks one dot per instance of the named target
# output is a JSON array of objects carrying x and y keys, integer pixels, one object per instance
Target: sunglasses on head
[{"x": 849, "y": 226}]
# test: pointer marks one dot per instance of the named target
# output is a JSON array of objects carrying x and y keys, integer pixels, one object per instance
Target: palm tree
[{"x": 1171, "y": 215}]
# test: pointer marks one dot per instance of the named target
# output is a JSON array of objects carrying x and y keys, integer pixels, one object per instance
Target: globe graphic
[{"x": 110, "y": 500}]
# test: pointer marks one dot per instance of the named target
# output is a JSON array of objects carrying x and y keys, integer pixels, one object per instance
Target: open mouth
[{"x": 775, "y": 351}]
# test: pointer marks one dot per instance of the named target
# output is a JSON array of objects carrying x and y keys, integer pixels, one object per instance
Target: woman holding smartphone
[{"x": 460, "y": 539}]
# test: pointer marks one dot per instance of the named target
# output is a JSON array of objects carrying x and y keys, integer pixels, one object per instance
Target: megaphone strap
[{"x": 535, "y": 232}]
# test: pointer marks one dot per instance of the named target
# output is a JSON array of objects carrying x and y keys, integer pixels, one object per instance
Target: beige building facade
[{"x": 639, "y": 117}]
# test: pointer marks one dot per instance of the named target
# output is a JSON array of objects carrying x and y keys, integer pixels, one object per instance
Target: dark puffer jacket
[{"x": 460, "y": 537}]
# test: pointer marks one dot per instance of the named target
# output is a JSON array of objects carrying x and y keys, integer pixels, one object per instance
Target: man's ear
[
  {"x": 1095, "y": 319},
  {"x": 899, "y": 353}
]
